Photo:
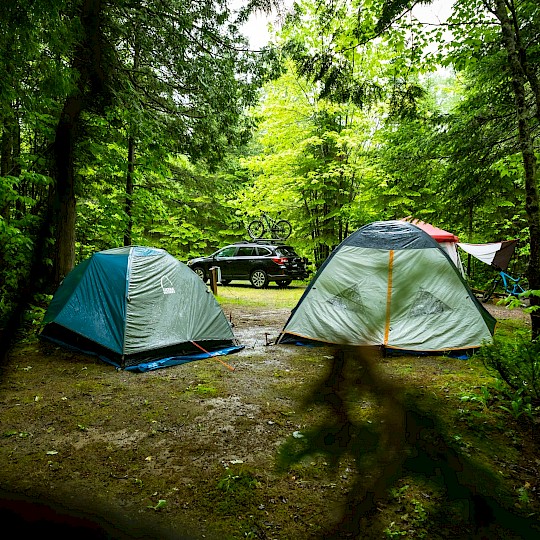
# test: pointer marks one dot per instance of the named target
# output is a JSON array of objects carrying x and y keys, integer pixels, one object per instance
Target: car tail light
[{"x": 280, "y": 260}]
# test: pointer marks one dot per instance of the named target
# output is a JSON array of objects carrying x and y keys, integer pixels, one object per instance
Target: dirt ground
[
  {"x": 503, "y": 313},
  {"x": 190, "y": 451}
]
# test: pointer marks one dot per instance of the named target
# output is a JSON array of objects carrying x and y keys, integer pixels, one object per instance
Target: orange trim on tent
[
  {"x": 395, "y": 348},
  {"x": 388, "y": 297}
]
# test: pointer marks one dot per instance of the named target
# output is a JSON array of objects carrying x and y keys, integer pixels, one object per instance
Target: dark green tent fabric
[
  {"x": 90, "y": 300},
  {"x": 136, "y": 304}
]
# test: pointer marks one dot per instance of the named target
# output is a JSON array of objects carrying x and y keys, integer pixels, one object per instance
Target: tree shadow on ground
[{"x": 405, "y": 440}]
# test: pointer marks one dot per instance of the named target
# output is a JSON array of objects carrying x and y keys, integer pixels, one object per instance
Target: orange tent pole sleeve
[{"x": 388, "y": 296}]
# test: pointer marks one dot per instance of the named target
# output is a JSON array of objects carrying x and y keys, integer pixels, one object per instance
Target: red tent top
[{"x": 434, "y": 232}]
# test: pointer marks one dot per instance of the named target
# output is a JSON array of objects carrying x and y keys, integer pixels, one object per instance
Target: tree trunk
[
  {"x": 64, "y": 205},
  {"x": 90, "y": 84},
  {"x": 519, "y": 80},
  {"x": 131, "y": 158}
]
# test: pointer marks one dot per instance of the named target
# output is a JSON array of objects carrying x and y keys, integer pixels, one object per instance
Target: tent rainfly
[
  {"x": 447, "y": 240},
  {"x": 138, "y": 308},
  {"x": 391, "y": 285}
]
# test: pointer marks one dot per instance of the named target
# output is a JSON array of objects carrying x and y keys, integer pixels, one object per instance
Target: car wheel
[
  {"x": 200, "y": 272},
  {"x": 283, "y": 283},
  {"x": 259, "y": 279}
]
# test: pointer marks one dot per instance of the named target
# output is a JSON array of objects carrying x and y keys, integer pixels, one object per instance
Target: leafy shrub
[
  {"x": 15, "y": 255},
  {"x": 517, "y": 363}
]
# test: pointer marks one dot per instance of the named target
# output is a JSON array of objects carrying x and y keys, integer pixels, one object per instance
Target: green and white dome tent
[
  {"x": 138, "y": 308},
  {"x": 390, "y": 285}
]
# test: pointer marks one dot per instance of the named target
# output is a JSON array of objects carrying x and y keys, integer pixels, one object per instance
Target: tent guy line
[{"x": 213, "y": 356}]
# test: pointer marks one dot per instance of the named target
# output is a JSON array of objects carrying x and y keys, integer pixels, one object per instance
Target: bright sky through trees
[{"x": 256, "y": 29}]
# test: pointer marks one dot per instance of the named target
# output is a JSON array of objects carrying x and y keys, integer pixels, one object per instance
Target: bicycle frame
[
  {"x": 511, "y": 284},
  {"x": 269, "y": 223}
]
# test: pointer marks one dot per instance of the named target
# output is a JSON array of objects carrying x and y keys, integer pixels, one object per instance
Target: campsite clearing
[{"x": 189, "y": 451}]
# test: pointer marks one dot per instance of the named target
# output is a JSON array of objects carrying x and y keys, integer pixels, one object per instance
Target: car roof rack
[{"x": 273, "y": 241}]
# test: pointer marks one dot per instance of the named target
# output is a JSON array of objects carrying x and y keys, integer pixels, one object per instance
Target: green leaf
[{"x": 161, "y": 504}]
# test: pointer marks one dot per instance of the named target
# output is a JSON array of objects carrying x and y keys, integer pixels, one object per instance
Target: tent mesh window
[
  {"x": 348, "y": 299},
  {"x": 426, "y": 303}
]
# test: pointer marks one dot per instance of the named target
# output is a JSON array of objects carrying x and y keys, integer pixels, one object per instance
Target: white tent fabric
[
  {"x": 452, "y": 252},
  {"x": 447, "y": 240}
]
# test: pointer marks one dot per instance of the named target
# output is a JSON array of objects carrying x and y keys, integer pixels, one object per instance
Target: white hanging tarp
[{"x": 496, "y": 254}]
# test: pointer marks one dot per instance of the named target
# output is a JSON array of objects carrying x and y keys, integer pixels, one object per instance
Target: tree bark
[
  {"x": 64, "y": 214},
  {"x": 131, "y": 159},
  {"x": 526, "y": 144},
  {"x": 87, "y": 62}
]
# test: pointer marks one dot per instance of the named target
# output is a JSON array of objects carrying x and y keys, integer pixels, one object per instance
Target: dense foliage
[
  {"x": 416, "y": 123},
  {"x": 120, "y": 122},
  {"x": 516, "y": 363}
]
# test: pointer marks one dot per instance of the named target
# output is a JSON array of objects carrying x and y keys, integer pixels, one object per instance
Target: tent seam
[
  {"x": 126, "y": 299},
  {"x": 388, "y": 297}
]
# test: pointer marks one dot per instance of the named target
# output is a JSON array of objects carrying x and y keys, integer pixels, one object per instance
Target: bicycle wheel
[
  {"x": 282, "y": 229},
  {"x": 488, "y": 293},
  {"x": 256, "y": 229}
]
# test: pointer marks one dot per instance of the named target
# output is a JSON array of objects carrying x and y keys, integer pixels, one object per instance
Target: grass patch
[
  {"x": 206, "y": 390},
  {"x": 272, "y": 297},
  {"x": 512, "y": 329},
  {"x": 235, "y": 492}
]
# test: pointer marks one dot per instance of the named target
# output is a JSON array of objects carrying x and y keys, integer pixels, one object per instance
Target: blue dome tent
[{"x": 138, "y": 308}]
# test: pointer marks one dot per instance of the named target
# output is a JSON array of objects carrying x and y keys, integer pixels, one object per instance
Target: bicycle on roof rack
[
  {"x": 278, "y": 229},
  {"x": 506, "y": 283}
]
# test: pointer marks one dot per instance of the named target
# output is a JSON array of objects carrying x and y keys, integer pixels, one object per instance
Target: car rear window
[
  {"x": 286, "y": 251},
  {"x": 262, "y": 251}
]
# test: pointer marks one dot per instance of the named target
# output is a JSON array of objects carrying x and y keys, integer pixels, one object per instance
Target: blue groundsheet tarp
[
  {"x": 176, "y": 360},
  {"x": 159, "y": 363}
]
